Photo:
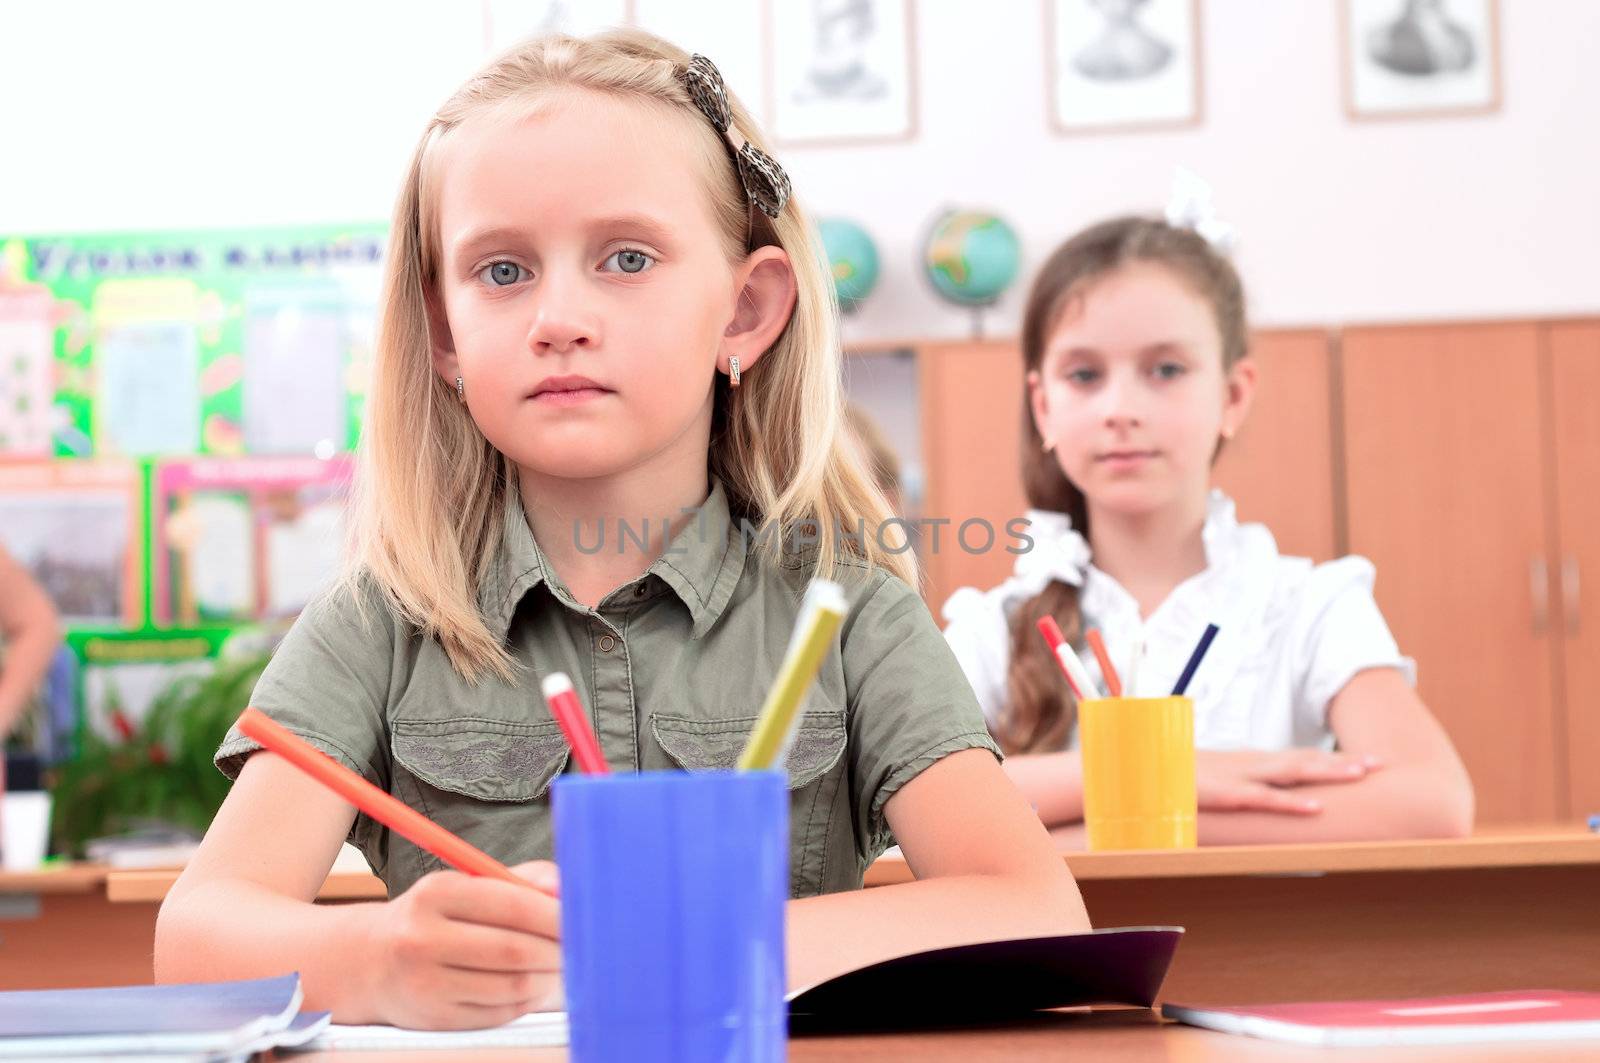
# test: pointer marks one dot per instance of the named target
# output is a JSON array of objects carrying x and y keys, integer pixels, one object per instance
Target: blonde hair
[{"x": 430, "y": 492}]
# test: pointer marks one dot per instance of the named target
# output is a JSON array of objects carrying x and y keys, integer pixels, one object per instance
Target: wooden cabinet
[
  {"x": 1280, "y": 467},
  {"x": 971, "y": 437},
  {"x": 1472, "y": 454},
  {"x": 1573, "y": 388}
]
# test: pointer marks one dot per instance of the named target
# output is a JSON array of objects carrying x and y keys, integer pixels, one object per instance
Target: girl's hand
[
  {"x": 1255, "y": 781},
  {"x": 460, "y": 952}
]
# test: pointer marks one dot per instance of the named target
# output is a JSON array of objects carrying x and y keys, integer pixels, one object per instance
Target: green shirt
[{"x": 672, "y": 668}]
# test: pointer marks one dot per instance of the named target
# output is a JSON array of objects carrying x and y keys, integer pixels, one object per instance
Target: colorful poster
[
  {"x": 121, "y": 673},
  {"x": 175, "y": 344},
  {"x": 78, "y": 528},
  {"x": 245, "y": 539},
  {"x": 27, "y": 369}
]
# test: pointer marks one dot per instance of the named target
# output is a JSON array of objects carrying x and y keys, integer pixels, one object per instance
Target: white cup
[{"x": 24, "y": 829}]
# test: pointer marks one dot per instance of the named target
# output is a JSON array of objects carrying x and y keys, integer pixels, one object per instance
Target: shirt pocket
[
  {"x": 816, "y": 766},
  {"x": 483, "y": 780}
]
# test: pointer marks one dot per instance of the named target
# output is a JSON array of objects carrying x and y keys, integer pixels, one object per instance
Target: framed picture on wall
[
  {"x": 244, "y": 539},
  {"x": 1122, "y": 64},
  {"x": 1419, "y": 58},
  {"x": 77, "y": 526},
  {"x": 840, "y": 70}
]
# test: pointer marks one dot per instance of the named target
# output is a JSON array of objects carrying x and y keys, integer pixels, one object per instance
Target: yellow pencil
[{"x": 822, "y": 611}]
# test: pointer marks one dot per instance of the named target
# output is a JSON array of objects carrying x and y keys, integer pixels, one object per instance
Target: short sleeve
[
  {"x": 328, "y": 682},
  {"x": 910, "y": 705},
  {"x": 1339, "y": 633},
  {"x": 978, "y": 635}
]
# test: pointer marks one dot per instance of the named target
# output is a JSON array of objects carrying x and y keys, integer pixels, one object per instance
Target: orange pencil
[
  {"x": 398, "y": 817},
  {"x": 1107, "y": 669}
]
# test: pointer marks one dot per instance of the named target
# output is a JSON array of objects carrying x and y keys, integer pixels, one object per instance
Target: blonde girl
[{"x": 607, "y": 356}]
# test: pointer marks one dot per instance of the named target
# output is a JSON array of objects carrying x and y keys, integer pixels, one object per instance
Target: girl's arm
[
  {"x": 451, "y": 952},
  {"x": 1421, "y": 789},
  {"x": 31, "y": 631},
  {"x": 1051, "y": 782},
  {"x": 1395, "y": 775},
  {"x": 1231, "y": 784},
  {"x": 986, "y": 870}
]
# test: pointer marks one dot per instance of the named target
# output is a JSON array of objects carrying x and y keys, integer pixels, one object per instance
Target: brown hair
[{"x": 1040, "y": 711}]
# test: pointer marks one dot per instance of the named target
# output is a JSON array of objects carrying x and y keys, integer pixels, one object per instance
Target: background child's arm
[
  {"x": 1421, "y": 789},
  {"x": 451, "y": 952},
  {"x": 1051, "y": 782},
  {"x": 1230, "y": 783},
  {"x": 986, "y": 869},
  {"x": 31, "y": 631},
  {"x": 1256, "y": 796}
]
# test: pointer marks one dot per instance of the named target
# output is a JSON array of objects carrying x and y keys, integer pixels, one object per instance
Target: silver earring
[
  {"x": 733, "y": 372},
  {"x": 461, "y": 390}
]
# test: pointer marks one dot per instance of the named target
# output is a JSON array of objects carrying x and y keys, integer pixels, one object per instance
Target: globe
[
  {"x": 971, "y": 257},
  {"x": 852, "y": 260}
]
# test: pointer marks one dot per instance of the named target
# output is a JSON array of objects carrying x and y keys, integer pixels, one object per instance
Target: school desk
[
  {"x": 1123, "y": 1036},
  {"x": 1500, "y": 910},
  {"x": 1270, "y": 923},
  {"x": 57, "y": 928},
  {"x": 75, "y": 926}
]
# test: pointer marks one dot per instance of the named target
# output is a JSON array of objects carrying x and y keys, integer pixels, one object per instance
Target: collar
[{"x": 702, "y": 564}]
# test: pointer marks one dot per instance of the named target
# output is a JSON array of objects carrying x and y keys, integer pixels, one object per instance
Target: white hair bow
[
  {"x": 1058, "y": 553},
  {"x": 1190, "y": 207}
]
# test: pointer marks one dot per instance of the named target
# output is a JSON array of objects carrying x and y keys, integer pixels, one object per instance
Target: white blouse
[{"x": 1291, "y": 634}]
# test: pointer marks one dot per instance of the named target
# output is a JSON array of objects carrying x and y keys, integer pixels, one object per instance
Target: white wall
[{"x": 183, "y": 114}]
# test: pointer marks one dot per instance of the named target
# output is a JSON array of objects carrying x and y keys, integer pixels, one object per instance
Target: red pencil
[
  {"x": 568, "y": 711},
  {"x": 1107, "y": 669},
  {"x": 398, "y": 817}
]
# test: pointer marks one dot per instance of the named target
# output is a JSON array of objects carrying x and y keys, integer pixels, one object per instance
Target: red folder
[{"x": 1528, "y": 1015}]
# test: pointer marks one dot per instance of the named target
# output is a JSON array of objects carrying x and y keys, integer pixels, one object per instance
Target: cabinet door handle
[
  {"x": 1539, "y": 587},
  {"x": 1571, "y": 588}
]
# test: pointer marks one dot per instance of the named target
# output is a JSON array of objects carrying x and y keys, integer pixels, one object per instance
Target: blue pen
[{"x": 1194, "y": 660}]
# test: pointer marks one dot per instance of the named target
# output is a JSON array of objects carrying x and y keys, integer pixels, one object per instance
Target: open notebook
[
  {"x": 530, "y": 1031},
  {"x": 193, "y": 1021},
  {"x": 1118, "y": 966},
  {"x": 1531, "y": 1015}
]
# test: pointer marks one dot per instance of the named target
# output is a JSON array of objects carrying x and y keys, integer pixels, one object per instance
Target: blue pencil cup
[{"x": 673, "y": 887}]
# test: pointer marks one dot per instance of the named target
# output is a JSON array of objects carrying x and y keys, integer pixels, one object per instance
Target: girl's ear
[
  {"x": 763, "y": 303},
  {"x": 1241, "y": 393},
  {"x": 440, "y": 346},
  {"x": 1039, "y": 404}
]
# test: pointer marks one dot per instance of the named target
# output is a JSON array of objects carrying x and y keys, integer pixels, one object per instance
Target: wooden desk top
[
  {"x": 1547, "y": 846},
  {"x": 68, "y": 878},
  {"x": 1115, "y": 1035},
  {"x": 150, "y": 887}
]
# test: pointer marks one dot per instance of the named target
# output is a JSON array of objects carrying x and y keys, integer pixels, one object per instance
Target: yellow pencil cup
[{"x": 1138, "y": 772}]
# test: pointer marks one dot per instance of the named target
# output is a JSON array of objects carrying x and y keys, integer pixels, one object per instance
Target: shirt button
[
  {"x": 606, "y": 643},
  {"x": 638, "y": 591}
]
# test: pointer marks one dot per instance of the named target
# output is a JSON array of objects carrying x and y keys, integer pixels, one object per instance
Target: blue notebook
[{"x": 214, "y": 1017}]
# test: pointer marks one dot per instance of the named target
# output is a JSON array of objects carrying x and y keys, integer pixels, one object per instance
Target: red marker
[
  {"x": 1071, "y": 667},
  {"x": 568, "y": 711}
]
